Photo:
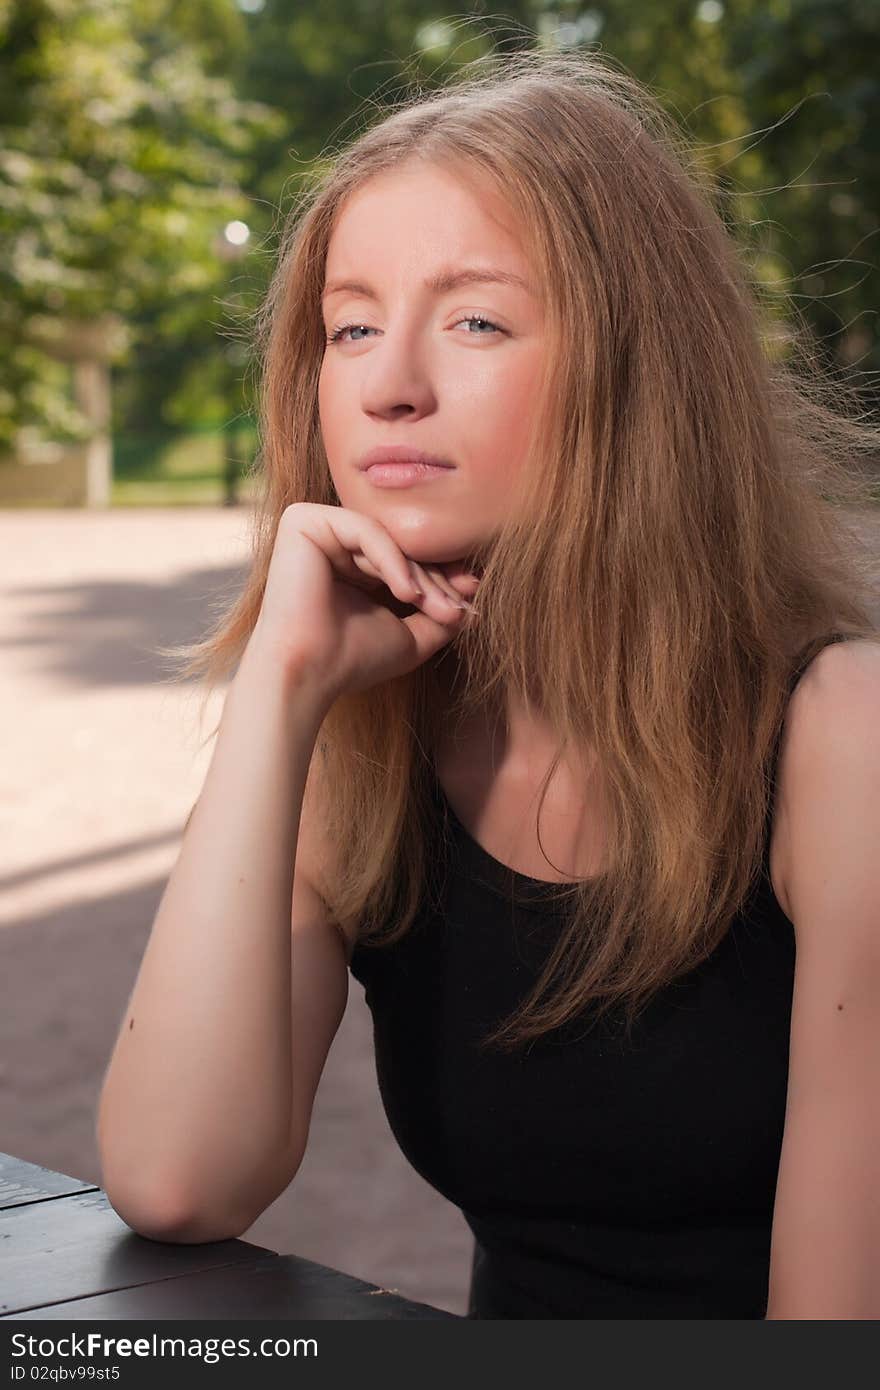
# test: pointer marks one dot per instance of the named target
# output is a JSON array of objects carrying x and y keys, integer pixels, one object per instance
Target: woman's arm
[
  {"x": 825, "y": 1250},
  {"x": 195, "y": 1112}
]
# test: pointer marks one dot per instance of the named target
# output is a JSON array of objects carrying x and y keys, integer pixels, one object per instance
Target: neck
[{"x": 517, "y": 742}]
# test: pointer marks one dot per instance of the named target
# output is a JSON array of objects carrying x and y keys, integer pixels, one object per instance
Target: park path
[{"x": 101, "y": 763}]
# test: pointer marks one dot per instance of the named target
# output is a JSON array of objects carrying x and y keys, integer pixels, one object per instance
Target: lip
[
  {"x": 403, "y": 474},
  {"x": 401, "y": 454}
]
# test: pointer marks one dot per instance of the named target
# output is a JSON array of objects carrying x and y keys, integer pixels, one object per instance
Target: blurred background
[{"x": 149, "y": 151}]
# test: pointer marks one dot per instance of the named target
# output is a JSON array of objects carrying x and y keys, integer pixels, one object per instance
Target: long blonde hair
[{"x": 680, "y": 536}]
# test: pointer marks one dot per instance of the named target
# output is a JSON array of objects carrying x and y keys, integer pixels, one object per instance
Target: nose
[{"x": 396, "y": 380}]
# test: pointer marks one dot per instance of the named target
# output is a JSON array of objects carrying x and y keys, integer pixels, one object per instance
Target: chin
[{"x": 418, "y": 543}]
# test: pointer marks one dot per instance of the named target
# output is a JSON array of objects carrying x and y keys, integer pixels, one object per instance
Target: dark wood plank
[
  {"x": 22, "y": 1182},
  {"x": 283, "y": 1287},
  {"x": 76, "y": 1246}
]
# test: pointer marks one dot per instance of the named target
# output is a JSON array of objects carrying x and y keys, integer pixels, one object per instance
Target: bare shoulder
[
  {"x": 840, "y": 665},
  {"x": 840, "y": 683},
  {"x": 830, "y": 743}
]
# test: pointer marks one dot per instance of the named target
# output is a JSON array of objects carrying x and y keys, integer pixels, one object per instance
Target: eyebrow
[{"x": 441, "y": 283}]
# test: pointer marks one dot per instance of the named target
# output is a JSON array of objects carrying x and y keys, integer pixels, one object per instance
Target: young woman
[{"x": 602, "y": 845}]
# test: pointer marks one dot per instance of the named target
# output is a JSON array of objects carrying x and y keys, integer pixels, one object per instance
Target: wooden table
[{"x": 65, "y": 1254}]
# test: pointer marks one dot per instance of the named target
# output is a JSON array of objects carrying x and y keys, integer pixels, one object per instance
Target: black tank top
[{"x": 601, "y": 1178}]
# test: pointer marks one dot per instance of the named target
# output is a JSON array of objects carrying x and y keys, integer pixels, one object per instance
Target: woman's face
[{"x": 452, "y": 371}]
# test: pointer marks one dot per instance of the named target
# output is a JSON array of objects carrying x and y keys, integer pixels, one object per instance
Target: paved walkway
[{"x": 100, "y": 766}]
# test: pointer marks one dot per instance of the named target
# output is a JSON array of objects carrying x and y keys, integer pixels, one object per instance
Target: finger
[
  {"x": 353, "y": 534},
  {"x": 436, "y": 573},
  {"x": 464, "y": 585},
  {"x": 368, "y": 569},
  {"x": 428, "y": 635},
  {"x": 458, "y": 571},
  {"x": 441, "y": 602},
  {"x": 464, "y": 593},
  {"x": 435, "y": 591}
]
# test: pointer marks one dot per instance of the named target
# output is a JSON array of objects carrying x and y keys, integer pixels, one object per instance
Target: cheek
[
  {"x": 501, "y": 412},
  {"x": 331, "y": 427},
  {"x": 330, "y": 412},
  {"x": 323, "y": 391}
]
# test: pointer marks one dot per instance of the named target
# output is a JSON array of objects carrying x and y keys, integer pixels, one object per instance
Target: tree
[{"x": 121, "y": 154}]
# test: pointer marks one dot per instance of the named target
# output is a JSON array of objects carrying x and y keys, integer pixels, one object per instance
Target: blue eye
[
  {"x": 336, "y": 335},
  {"x": 480, "y": 318},
  {"x": 343, "y": 328}
]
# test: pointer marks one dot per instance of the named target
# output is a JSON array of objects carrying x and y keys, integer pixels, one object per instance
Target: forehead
[{"x": 426, "y": 215}]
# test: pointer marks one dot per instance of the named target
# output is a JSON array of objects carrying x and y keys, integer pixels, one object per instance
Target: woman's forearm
[{"x": 196, "y": 1101}]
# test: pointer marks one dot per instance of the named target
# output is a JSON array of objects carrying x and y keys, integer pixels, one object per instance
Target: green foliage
[
  {"x": 121, "y": 159},
  {"x": 132, "y": 131},
  {"x": 810, "y": 70},
  {"x": 783, "y": 97}
]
